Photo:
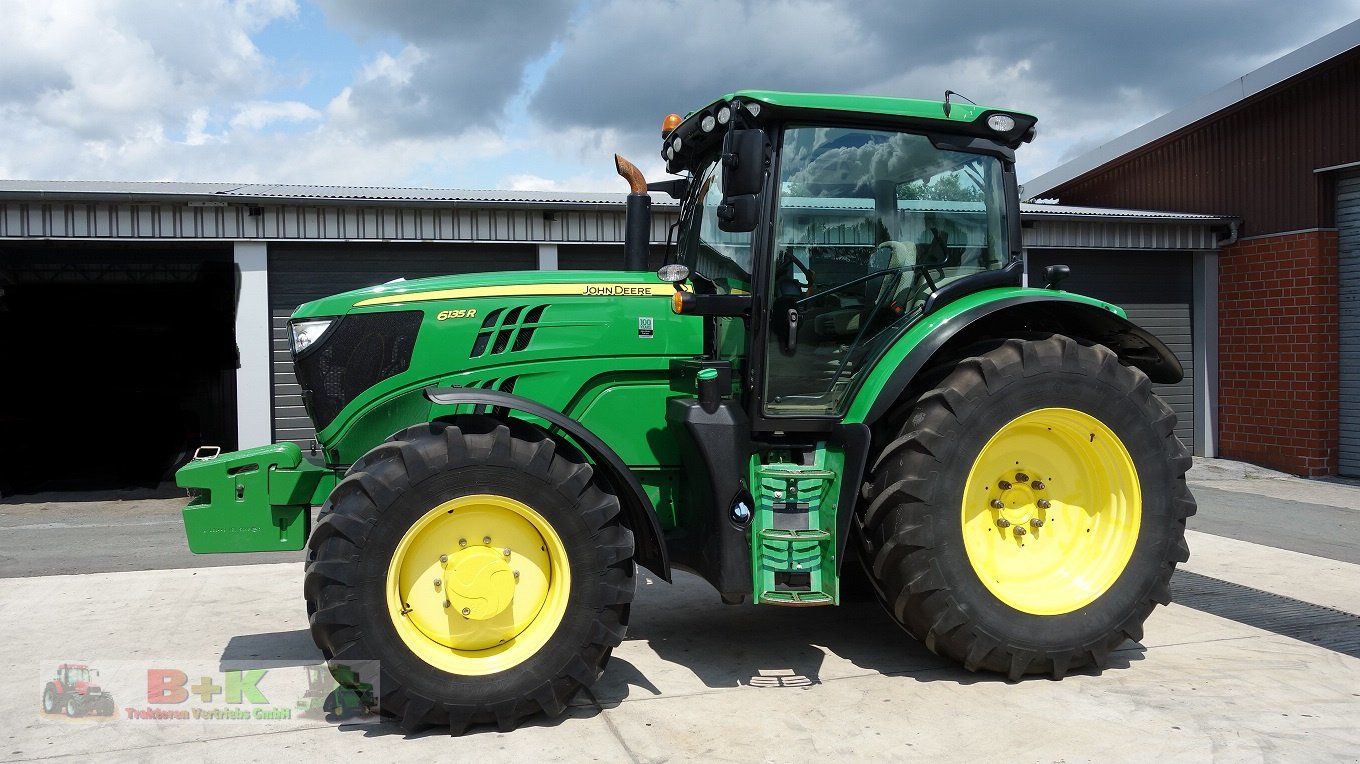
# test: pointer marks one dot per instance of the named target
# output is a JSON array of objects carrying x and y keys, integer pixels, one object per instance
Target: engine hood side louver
[{"x": 507, "y": 330}]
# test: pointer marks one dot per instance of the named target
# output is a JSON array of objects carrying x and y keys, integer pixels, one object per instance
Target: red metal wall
[{"x": 1255, "y": 160}]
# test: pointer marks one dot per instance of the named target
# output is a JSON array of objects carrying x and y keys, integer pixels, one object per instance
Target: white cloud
[
  {"x": 443, "y": 93},
  {"x": 256, "y": 115}
]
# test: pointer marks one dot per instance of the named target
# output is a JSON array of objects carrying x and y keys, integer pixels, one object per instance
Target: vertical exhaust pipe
[{"x": 637, "y": 231}]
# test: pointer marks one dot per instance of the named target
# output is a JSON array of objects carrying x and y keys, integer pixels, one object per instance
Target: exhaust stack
[{"x": 638, "y": 223}]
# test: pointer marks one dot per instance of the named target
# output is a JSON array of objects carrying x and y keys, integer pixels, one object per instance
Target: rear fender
[
  {"x": 638, "y": 513},
  {"x": 944, "y": 335}
]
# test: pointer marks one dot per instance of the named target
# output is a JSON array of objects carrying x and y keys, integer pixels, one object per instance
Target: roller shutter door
[
  {"x": 1156, "y": 289},
  {"x": 301, "y": 272},
  {"x": 1348, "y": 223}
]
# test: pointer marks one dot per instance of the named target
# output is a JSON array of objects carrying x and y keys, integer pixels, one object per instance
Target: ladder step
[
  {"x": 796, "y": 599},
  {"x": 794, "y": 471},
  {"x": 774, "y": 534}
]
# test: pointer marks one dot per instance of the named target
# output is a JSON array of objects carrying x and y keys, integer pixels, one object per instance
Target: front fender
[
  {"x": 1003, "y": 313},
  {"x": 638, "y": 513}
]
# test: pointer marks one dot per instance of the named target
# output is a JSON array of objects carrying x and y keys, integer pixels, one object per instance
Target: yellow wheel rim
[
  {"x": 1051, "y": 511},
  {"x": 478, "y": 585}
]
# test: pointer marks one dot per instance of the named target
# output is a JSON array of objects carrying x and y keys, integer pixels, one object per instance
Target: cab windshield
[
  {"x": 869, "y": 224},
  {"x": 721, "y": 257}
]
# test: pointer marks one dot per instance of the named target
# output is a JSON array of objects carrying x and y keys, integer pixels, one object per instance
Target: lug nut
[
  {"x": 1004, "y": 485},
  {"x": 437, "y": 582},
  {"x": 1036, "y": 522},
  {"x": 486, "y": 539},
  {"x": 1003, "y": 523},
  {"x": 1037, "y": 485},
  {"x": 443, "y": 558},
  {"x": 462, "y": 542},
  {"x": 517, "y": 574},
  {"x": 1020, "y": 530},
  {"x": 998, "y": 504},
  {"x": 506, "y": 551},
  {"x": 447, "y": 603},
  {"x": 1021, "y": 477},
  {"x": 1043, "y": 503},
  {"x": 467, "y": 611}
]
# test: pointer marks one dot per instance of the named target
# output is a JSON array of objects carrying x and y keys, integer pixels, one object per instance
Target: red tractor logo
[{"x": 73, "y": 692}]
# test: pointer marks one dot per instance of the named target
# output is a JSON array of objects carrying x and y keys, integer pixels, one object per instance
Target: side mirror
[
  {"x": 743, "y": 162},
  {"x": 738, "y": 214},
  {"x": 1054, "y": 275},
  {"x": 743, "y": 179}
]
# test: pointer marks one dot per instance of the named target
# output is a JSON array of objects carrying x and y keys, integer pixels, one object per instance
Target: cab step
[{"x": 793, "y": 534}]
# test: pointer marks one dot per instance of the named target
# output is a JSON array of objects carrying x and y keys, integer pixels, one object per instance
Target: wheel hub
[
  {"x": 1051, "y": 511},
  {"x": 1019, "y": 502},
  {"x": 480, "y": 582}
]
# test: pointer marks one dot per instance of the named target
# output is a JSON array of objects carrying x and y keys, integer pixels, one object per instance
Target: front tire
[
  {"x": 1031, "y": 510},
  {"x": 50, "y": 700},
  {"x": 481, "y": 564}
]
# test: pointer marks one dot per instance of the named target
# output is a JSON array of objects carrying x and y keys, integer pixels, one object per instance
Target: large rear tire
[
  {"x": 481, "y": 564},
  {"x": 1031, "y": 509}
]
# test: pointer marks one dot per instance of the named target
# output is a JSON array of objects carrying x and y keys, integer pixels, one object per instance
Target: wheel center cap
[
  {"x": 1019, "y": 502},
  {"x": 480, "y": 583}
]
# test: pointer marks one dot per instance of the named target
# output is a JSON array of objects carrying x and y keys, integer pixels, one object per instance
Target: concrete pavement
[{"x": 1259, "y": 660}]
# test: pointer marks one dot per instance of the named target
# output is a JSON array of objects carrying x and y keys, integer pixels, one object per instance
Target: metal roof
[
  {"x": 1029, "y": 209},
  {"x": 124, "y": 192},
  {"x": 1314, "y": 53},
  {"x": 128, "y": 191}
]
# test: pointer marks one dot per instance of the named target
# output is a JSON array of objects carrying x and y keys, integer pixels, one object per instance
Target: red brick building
[{"x": 1278, "y": 149}]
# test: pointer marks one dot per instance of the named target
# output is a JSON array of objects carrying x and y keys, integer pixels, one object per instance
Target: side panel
[{"x": 596, "y": 357}]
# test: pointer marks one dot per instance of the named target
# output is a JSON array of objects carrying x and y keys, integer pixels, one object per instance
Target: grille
[
  {"x": 507, "y": 330},
  {"x": 357, "y": 353}
]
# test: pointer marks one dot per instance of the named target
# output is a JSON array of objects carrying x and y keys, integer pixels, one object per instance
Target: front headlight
[{"x": 304, "y": 333}]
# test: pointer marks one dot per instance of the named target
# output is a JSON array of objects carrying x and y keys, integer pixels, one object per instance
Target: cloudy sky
[{"x": 537, "y": 94}]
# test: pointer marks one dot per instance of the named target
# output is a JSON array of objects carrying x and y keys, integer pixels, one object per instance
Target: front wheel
[
  {"x": 50, "y": 701},
  {"x": 1031, "y": 510},
  {"x": 483, "y": 567}
]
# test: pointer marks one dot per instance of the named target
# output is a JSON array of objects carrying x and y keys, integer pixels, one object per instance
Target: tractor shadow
[
  {"x": 277, "y": 648},
  {"x": 682, "y": 633},
  {"x": 683, "y": 641}
]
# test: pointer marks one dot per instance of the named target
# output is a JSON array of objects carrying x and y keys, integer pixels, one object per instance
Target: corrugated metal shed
[{"x": 227, "y": 211}]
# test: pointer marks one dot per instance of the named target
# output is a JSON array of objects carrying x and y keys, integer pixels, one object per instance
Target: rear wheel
[
  {"x": 483, "y": 567},
  {"x": 1031, "y": 510}
]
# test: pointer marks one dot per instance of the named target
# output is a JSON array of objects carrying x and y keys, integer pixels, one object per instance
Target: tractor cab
[
  {"x": 74, "y": 676},
  {"x": 839, "y": 236}
]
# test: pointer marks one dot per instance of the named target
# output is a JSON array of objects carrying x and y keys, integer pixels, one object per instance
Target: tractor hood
[
  {"x": 420, "y": 293},
  {"x": 364, "y": 359}
]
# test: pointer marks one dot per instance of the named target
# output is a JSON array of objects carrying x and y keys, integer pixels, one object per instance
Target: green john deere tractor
[{"x": 840, "y": 365}]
